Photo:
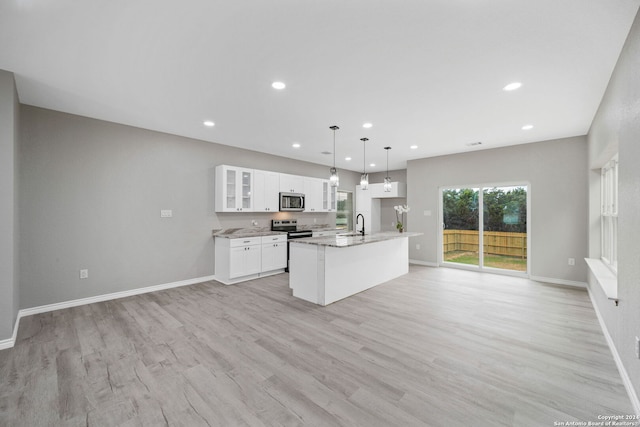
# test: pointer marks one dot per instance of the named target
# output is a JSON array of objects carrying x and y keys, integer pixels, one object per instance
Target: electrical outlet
[
  {"x": 84, "y": 274},
  {"x": 254, "y": 222},
  {"x": 638, "y": 347},
  {"x": 315, "y": 220},
  {"x": 571, "y": 261},
  {"x": 427, "y": 213},
  {"x": 166, "y": 213}
]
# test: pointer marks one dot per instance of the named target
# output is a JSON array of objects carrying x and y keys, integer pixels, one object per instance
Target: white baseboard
[
  {"x": 623, "y": 372},
  {"x": 10, "y": 342},
  {"x": 425, "y": 263},
  {"x": 563, "y": 282}
]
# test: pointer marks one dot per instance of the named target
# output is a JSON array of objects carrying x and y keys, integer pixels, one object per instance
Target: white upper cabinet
[
  {"x": 329, "y": 196},
  {"x": 266, "y": 186},
  {"x": 234, "y": 189},
  {"x": 312, "y": 194},
  {"x": 291, "y": 183},
  {"x": 398, "y": 189},
  {"x": 240, "y": 189}
]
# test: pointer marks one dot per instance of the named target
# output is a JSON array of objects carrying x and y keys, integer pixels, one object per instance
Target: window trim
[{"x": 609, "y": 214}]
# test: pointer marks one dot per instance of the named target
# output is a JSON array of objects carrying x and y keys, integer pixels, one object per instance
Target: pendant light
[
  {"x": 387, "y": 179},
  {"x": 334, "y": 180},
  {"x": 364, "y": 179}
]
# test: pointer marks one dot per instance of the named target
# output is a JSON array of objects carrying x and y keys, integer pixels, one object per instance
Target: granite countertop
[
  {"x": 243, "y": 233},
  {"x": 316, "y": 227},
  {"x": 344, "y": 241}
]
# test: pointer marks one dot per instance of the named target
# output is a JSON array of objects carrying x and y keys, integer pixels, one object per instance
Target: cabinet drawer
[
  {"x": 234, "y": 243},
  {"x": 274, "y": 239}
]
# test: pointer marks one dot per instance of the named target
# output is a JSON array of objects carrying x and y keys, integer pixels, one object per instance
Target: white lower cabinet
[
  {"x": 274, "y": 253},
  {"x": 244, "y": 261},
  {"x": 237, "y": 260}
]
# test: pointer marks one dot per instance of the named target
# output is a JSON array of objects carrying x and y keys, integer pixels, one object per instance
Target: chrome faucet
[{"x": 358, "y": 217}]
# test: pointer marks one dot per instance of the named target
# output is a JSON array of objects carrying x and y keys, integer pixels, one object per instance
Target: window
[
  {"x": 344, "y": 215},
  {"x": 609, "y": 214}
]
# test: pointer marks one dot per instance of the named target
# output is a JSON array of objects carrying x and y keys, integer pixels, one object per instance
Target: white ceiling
[{"x": 423, "y": 72}]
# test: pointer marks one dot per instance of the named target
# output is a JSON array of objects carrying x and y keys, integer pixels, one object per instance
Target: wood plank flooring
[{"x": 437, "y": 347}]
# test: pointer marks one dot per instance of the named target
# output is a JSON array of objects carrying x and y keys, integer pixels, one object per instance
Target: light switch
[{"x": 166, "y": 213}]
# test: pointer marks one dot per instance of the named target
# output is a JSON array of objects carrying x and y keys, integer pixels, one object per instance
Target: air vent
[
  {"x": 326, "y": 152},
  {"x": 473, "y": 144}
]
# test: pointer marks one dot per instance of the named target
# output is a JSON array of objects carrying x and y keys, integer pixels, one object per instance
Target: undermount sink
[{"x": 352, "y": 234}]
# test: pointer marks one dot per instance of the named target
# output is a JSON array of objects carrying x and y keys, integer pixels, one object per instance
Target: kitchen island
[{"x": 323, "y": 270}]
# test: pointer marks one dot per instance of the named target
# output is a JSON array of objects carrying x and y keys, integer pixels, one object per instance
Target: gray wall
[
  {"x": 616, "y": 128},
  {"x": 557, "y": 174},
  {"x": 92, "y": 192},
  {"x": 9, "y": 119}
]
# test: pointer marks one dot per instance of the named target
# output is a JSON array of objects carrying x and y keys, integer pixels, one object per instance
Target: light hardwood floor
[{"x": 437, "y": 347}]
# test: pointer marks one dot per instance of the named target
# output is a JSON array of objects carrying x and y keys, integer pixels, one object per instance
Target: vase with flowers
[{"x": 400, "y": 211}]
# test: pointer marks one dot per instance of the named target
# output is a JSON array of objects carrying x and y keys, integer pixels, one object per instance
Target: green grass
[{"x": 494, "y": 261}]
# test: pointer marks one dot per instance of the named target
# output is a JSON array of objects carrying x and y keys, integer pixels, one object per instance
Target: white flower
[{"x": 401, "y": 209}]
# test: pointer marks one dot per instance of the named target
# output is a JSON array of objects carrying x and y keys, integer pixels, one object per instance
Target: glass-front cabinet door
[
  {"x": 329, "y": 196},
  {"x": 234, "y": 189},
  {"x": 230, "y": 189},
  {"x": 246, "y": 189}
]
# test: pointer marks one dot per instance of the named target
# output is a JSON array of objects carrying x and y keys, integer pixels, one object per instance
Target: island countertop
[
  {"x": 326, "y": 269},
  {"x": 352, "y": 239}
]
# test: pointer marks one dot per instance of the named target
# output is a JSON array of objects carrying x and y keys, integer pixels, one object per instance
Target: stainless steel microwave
[{"x": 291, "y": 202}]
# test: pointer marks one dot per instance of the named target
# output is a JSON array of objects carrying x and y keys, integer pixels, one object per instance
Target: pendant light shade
[
  {"x": 387, "y": 179},
  {"x": 334, "y": 180},
  {"x": 364, "y": 179}
]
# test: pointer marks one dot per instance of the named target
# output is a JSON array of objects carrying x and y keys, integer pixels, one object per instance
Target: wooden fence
[{"x": 495, "y": 242}]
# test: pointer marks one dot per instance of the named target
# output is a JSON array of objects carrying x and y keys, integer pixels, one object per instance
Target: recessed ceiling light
[
  {"x": 512, "y": 86},
  {"x": 413, "y": 147},
  {"x": 527, "y": 127},
  {"x": 372, "y": 164},
  {"x": 208, "y": 123},
  {"x": 278, "y": 85},
  {"x": 367, "y": 125},
  {"x": 295, "y": 145},
  {"x": 347, "y": 159}
]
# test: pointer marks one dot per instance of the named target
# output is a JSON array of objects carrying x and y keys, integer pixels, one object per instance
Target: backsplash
[{"x": 262, "y": 220}]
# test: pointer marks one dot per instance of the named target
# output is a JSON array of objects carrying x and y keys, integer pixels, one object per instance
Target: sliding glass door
[
  {"x": 461, "y": 216},
  {"x": 504, "y": 228},
  {"x": 492, "y": 218}
]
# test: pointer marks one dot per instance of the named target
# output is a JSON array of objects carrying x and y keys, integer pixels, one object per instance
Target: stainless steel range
[{"x": 291, "y": 227}]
